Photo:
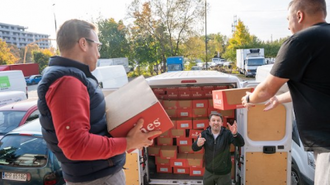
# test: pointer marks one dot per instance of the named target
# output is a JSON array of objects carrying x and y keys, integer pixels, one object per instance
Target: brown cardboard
[
  {"x": 180, "y": 161},
  {"x": 170, "y": 104},
  {"x": 162, "y": 161},
  {"x": 229, "y": 98},
  {"x": 195, "y": 160},
  {"x": 200, "y": 104},
  {"x": 184, "y": 104},
  {"x": 178, "y": 133},
  {"x": 135, "y": 100},
  {"x": 200, "y": 112},
  {"x": 164, "y": 141},
  {"x": 153, "y": 150},
  {"x": 168, "y": 152},
  {"x": 185, "y": 149}
]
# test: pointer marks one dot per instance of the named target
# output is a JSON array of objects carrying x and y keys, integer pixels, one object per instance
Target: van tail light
[
  {"x": 50, "y": 182},
  {"x": 188, "y": 81}
]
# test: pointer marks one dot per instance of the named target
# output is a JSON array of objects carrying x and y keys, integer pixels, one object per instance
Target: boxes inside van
[{"x": 13, "y": 81}]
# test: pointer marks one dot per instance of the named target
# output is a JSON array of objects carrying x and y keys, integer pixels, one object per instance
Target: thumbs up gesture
[{"x": 200, "y": 140}]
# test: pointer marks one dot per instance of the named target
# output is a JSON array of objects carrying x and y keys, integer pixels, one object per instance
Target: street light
[
  {"x": 205, "y": 36},
  {"x": 54, "y": 18}
]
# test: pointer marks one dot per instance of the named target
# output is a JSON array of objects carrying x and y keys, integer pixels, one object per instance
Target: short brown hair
[
  {"x": 215, "y": 113},
  {"x": 311, "y": 7},
  {"x": 71, "y": 31}
]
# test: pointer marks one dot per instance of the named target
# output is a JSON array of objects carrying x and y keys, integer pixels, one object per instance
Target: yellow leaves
[{"x": 6, "y": 57}]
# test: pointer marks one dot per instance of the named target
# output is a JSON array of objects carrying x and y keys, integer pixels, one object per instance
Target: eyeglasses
[{"x": 99, "y": 44}]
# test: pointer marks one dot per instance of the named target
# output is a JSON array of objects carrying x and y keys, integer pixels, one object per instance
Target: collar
[{"x": 66, "y": 62}]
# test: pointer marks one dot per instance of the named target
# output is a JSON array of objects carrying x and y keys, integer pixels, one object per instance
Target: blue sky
[{"x": 264, "y": 18}]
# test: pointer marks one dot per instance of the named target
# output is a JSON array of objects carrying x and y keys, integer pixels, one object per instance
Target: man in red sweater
[{"x": 72, "y": 109}]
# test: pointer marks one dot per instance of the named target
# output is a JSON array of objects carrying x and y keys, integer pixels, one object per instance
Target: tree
[
  {"x": 41, "y": 57},
  {"x": 169, "y": 22},
  {"x": 113, "y": 37},
  {"x": 241, "y": 39},
  {"x": 6, "y": 57}
]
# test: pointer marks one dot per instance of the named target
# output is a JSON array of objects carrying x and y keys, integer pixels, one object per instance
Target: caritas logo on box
[
  {"x": 151, "y": 126},
  {"x": 217, "y": 100}
]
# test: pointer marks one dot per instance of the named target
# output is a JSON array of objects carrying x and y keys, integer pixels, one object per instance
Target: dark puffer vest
[{"x": 77, "y": 171}]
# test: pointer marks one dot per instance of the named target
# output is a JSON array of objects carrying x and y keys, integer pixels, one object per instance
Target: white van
[
  {"x": 111, "y": 77},
  {"x": 13, "y": 81},
  {"x": 11, "y": 96},
  {"x": 303, "y": 162}
]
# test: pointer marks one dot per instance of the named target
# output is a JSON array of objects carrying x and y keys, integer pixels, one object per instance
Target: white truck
[
  {"x": 114, "y": 61},
  {"x": 247, "y": 60},
  {"x": 265, "y": 158}
]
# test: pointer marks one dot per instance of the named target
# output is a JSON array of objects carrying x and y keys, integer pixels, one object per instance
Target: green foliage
[
  {"x": 42, "y": 57},
  {"x": 6, "y": 57},
  {"x": 113, "y": 37}
]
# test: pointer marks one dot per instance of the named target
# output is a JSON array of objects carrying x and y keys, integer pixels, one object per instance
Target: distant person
[
  {"x": 72, "y": 112},
  {"x": 303, "y": 62},
  {"x": 216, "y": 141}
]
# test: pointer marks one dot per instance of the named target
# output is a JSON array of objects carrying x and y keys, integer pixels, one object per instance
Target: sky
[{"x": 265, "y": 19}]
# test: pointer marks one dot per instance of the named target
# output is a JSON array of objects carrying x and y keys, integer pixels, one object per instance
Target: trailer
[{"x": 27, "y": 69}]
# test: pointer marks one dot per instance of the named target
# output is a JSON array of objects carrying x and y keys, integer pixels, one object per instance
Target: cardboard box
[
  {"x": 172, "y": 94},
  {"x": 162, "y": 161},
  {"x": 180, "y": 161},
  {"x": 195, "y": 88},
  {"x": 162, "y": 141},
  {"x": 194, "y": 171},
  {"x": 181, "y": 170},
  {"x": 184, "y": 104},
  {"x": 164, "y": 169},
  {"x": 229, "y": 98},
  {"x": 184, "y": 113},
  {"x": 184, "y": 141},
  {"x": 170, "y": 104},
  {"x": 200, "y": 104},
  {"x": 172, "y": 113},
  {"x": 168, "y": 152},
  {"x": 178, "y": 133},
  {"x": 133, "y": 101},
  {"x": 165, "y": 134},
  {"x": 184, "y": 94},
  {"x": 195, "y": 160},
  {"x": 184, "y": 123},
  {"x": 200, "y": 123},
  {"x": 194, "y": 133},
  {"x": 197, "y": 94},
  {"x": 153, "y": 150},
  {"x": 185, "y": 150},
  {"x": 198, "y": 113}
]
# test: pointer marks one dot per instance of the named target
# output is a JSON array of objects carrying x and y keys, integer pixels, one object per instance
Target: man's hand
[
  {"x": 200, "y": 140},
  {"x": 233, "y": 128},
  {"x": 245, "y": 98},
  {"x": 272, "y": 103},
  {"x": 137, "y": 139}
]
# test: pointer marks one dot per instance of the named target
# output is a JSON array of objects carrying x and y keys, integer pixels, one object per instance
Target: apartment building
[{"x": 16, "y": 35}]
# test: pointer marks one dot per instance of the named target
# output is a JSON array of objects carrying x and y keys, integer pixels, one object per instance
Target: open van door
[{"x": 266, "y": 156}]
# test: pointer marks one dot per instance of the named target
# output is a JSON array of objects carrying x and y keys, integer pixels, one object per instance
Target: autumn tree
[
  {"x": 6, "y": 57},
  {"x": 41, "y": 57},
  {"x": 241, "y": 39},
  {"x": 113, "y": 37},
  {"x": 170, "y": 22}
]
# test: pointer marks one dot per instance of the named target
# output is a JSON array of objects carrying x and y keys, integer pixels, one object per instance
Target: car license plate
[{"x": 14, "y": 176}]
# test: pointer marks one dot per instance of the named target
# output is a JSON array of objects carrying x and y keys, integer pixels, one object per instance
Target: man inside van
[
  {"x": 216, "y": 141},
  {"x": 72, "y": 109},
  {"x": 303, "y": 62}
]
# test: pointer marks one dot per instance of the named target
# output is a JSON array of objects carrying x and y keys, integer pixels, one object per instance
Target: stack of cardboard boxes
[{"x": 188, "y": 108}]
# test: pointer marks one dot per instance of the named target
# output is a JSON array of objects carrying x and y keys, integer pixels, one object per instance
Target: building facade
[{"x": 16, "y": 35}]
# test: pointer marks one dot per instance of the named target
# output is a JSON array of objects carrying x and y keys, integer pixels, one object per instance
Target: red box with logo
[
  {"x": 200, "y": 104},
  {"x": 168, "y": 152},
  {"x": 180, "y": 161},
  {"x": 184, "y": 113},
  {"x": 229, "y": 98},
  {"x": 194, "y": 133},
  {"x": 194, "y": 171},
  {"x": 164, "y": 169},
  {"x": 184, "y": 141},
  {"x": 200, "y": 123},
  {"x": 184, "y": 94},
  {"x": 153, "y": 150},
  {"x": 184, "y": 123},
  {"x": 197, "y": 94},
  {"x": 181, "y": 170},
  {"x": 135, "y": 100}
]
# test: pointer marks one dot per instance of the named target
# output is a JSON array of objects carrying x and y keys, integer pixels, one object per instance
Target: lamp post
[
  {"x": 54, "y": 18},
  {"x": 205, "y": 35}
]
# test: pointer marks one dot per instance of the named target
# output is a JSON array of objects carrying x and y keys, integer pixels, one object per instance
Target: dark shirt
[{"x": 304, "y": 59}]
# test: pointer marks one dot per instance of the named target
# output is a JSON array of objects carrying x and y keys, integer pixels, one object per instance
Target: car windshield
[
  {"x": 23, "y": 151},
  {"x": 256, "y": 62},
  {"x": 10, "y": 120}
]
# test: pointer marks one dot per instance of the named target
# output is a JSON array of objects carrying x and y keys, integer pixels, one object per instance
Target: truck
[
  {"x": 187, "y": 98},
  {"x": 114, "y": 61},
  {"x": 247, "y": 60},
  {"x": 27, "y": 69},
  {"x": 175, "y": 63}
]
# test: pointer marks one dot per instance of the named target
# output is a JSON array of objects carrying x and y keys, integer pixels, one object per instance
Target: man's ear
[
  {"x": 300, "y": 16},
  {"x": 82, "y": 43}
]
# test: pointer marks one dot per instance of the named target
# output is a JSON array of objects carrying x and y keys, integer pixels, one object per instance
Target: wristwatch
[{"x": 248, "y": 98}]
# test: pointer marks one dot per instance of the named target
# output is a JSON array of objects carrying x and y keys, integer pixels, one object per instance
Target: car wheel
[{"x": 295, "y": 178}]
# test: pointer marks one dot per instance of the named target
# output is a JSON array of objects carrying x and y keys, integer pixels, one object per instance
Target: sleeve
[
  {"x": 238, "y": 140},
  {"x": 69, "y": 106},
  {"x": 291, "y": 60}
]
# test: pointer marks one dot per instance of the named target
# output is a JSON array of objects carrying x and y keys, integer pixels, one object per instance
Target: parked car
[
  {"x": 33, "y": 79},
  {"x": 16, "y": 114},
  {"x": 25, "y": 158}
]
